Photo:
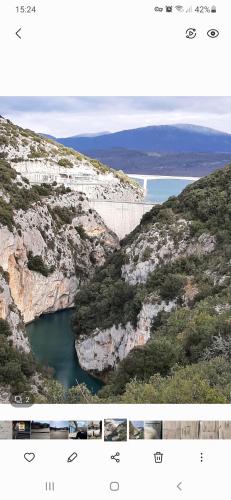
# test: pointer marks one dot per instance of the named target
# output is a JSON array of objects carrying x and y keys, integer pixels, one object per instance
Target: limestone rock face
[
  {"x": 70, "y": 252},
  {"x": 167, "y": 244},
  {"x": 10, "y": 313},
  {"x": 104, "y": 349},
  {"x": 161, "y": 243}
]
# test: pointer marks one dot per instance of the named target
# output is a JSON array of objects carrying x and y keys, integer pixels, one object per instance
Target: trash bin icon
[{"x": 158, "y": 457}]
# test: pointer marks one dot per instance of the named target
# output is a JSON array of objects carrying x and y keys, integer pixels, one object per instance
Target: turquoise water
[
  {"x": 160, "y": 190},
  {"x": 51, "y": 336},
  {"x": 52, "y": 341}
]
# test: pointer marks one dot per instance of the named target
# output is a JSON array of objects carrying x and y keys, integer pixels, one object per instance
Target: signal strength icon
[
  {"x": 179, "y": 8},
  {"x": 189, "y": 10}
]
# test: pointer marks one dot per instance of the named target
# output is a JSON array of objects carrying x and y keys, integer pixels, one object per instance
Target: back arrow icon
[
  {"x": 17, "y": 33},
  {"x": 179, "y": 486}
]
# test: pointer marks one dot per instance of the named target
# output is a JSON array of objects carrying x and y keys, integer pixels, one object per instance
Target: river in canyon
[
  {"x": 52, "y": 341},
  {"x": 51, "y": 336}
]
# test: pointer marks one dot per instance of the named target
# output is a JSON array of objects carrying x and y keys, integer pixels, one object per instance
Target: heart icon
[{"x": 29, "y": 457}]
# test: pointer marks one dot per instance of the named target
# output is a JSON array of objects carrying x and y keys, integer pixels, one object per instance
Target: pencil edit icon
[{"x": 72, "y": 457}]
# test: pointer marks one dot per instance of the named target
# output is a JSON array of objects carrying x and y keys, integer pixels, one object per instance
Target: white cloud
[{"x": 65, "y": 116}]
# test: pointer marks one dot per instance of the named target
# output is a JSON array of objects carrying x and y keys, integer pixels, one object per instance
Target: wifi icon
[{"x": 179, "y": 8}]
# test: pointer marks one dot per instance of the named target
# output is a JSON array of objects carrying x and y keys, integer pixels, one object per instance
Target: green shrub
[
  {"x": 81, "y": 231},
  {"x": 201, "y": 383},
  {"x": 4, "y": 328},
  {"x": 6, "y": 214},
  {"x": 35, "y": 263},
  {"x": 62, "y": 215},
  {"x": 4, "y": 274},
  {"x": 64, "y": 162},
  {"x": 15, "y": 366}
]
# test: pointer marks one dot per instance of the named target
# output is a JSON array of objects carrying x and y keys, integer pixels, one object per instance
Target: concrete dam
[{"x": 120, "y": 216}]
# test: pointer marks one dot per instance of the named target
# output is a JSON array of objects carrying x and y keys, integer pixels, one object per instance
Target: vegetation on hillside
[
  {"x": 187, "y": 358},
  {"x": 36, "y": 263},
  {"x": 16, "y": 194},
  {"x": 37, "y": 147},
  {"x": 106, "y": 300},
  {"x": 16, "y": 367}
]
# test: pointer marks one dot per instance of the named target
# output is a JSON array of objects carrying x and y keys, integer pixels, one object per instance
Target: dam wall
[{"x": 120, "y": 217}]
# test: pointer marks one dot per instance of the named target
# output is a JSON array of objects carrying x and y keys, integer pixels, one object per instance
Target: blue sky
[
  {"x": 59, "y": 423},
  {"x": 65, "y": 116}
]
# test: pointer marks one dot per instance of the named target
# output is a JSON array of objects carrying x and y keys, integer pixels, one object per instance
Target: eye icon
[{"x": 213, "y": 33}]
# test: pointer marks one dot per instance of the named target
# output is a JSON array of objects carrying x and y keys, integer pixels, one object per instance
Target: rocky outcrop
[
  {"x": 104, "y": 349},
  {"x": 10, "y": 313},
  {"x": 70, "y": 239},
  {"x": 162, "y": 243},
  {"x": 165, "y": 244}
]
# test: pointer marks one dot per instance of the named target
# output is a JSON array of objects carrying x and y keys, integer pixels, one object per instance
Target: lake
[
  {"x": 51, "y": 336},
  {"x": 52, "y": 341},
  {"x": 160, "y": 190}
]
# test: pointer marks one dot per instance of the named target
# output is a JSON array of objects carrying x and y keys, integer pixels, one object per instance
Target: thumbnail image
[
  {"x": 136, "y": 429},
  {"x": 21, "y": 429},
  {"x": 59, "y": 429},
  {"x": 153, "y": 430},
  {"x": 40, "y": 429},
  {"x": 197, "y": 429},
  {"x": 5, "y": 430},
  {"x": 78, "y": 429},
  {"x": 117, "y": 210},
  {"x": 115, "y": 430},
  {"x": 94, "y": 430}
]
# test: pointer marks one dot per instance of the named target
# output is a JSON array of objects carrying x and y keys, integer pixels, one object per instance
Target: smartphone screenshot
[{"x": 115, "y": 249}]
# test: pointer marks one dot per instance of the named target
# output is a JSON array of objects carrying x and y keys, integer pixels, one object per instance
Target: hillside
[
  {"x": 51, "y": 241},
  {"x": 155, "y": 321},
  {"x": 161, "y": 139},
  {"x": 41, "y": 159}
]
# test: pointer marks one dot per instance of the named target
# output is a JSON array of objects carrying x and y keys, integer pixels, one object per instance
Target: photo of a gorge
[{"x": 115, "y": 250}]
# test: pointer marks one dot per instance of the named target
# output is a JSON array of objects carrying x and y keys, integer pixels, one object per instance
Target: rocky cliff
[
  {"x": 10, "y": 313},
  {"x": 51, "y": 239},
  {"x": 50, "y": 249},
  {"x": 51, "y": 242},
  {"x": 104, "y": 349},
  {"x": 159, "y": 245}
]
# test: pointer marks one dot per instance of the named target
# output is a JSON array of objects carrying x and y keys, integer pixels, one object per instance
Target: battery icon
[{"x": 213, "y": 9}]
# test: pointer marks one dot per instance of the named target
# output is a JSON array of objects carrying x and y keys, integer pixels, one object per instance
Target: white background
[
  {"x": 90, "y": 475},
  {"x": 132, "y": 412},
  {"x": 113, "y": 47}
]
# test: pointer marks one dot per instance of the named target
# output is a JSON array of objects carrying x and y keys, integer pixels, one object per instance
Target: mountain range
[
  {"x": 188, "y": 150},
  {"x": 161, "y": 139}
]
